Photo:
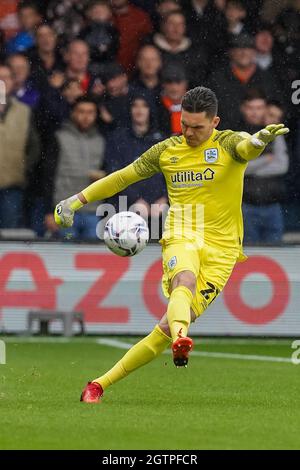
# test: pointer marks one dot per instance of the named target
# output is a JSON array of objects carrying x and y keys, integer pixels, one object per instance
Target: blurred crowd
[{"x": 92, "y": 84}]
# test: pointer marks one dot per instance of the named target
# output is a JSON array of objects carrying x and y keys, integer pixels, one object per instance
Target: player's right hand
[
  {"x": 269, "y": 133},
  {"x": 63, "y": 214}
]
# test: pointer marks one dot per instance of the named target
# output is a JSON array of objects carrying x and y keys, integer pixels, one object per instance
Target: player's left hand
[
  {"x": 64, "y": 214},
  {"x": 269, "y": 134}
]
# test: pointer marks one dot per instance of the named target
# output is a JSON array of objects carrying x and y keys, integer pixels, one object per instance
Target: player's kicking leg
[
  {"x": 173, "y": 327},
  {"x": 140, "y": 354}
]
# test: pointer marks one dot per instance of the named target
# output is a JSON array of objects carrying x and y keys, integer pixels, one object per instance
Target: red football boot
[
  {"x": 181, "y": 348},
  {"x": 92, "y": 393}
]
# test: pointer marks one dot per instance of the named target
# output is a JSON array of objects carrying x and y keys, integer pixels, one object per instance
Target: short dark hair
[
  {"x": 92, "y": 3},
  {"x": 254, "y": 94},
  {"x": 68, "y": 82},
  {"x": 237, "y": 4},
  {"x": 163, "y": 1},
  {"x": 28, "y": 4},
  {"x": 165, "y": 18},
  {"x": 84, "y": 99},
  {"x": 276, "y": 103},
  {"x": 44, "y": 24},
  {"x": 17, "y": 54},
  {"x": 200, "y": 100}
]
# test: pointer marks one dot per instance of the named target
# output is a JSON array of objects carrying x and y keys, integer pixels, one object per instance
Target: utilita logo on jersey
[{"x": 183, "y": 179}]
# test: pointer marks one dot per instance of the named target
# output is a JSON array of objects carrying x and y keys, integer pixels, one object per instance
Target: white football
[{"x": 126, "y": 234}]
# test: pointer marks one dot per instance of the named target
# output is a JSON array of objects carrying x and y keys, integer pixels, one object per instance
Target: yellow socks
[
  {"x": 156, "y": 342},
  {"x": 179, "y": 311},
  {"x": 140, "y": 354}
]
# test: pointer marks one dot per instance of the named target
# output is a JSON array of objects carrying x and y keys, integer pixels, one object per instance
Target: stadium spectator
[
  {"x": 9, "y": 18},
  {"x": 288, "y": 24},
  {"x": 29, "y": 19},
  {"x": 253, "y": 13},
  {"x": 54, "y": 108},
  {"x": 19, "y": 150},
  {"x": 270, "y": 59},
  {"x": 253, "y": 111},
  {"x": 147, "y": 78},
  {"x": 206, "y": 25},
  {"x": 23, "y": 88},
  {"x": 67, "y": 18},
  {"x": 264, "y": 186},
  {"x": 232, "y": 82},
  {"x": 163, "y": 8},
  {"x": 75, "y": 157},
  {"x": 77, "y": 58},
  {"x": 174, "y": 86},
  {"x": 287, "y": 35},
  {"x": 235, "y": 14},
  {"x": 266, "y": 58},
  {"x": 220, "y": 5},
  {"x": 274, "y": 112},
  {"x": 45, "y": 58},
  {"x": 133, "y": 25},
  {"x": 270, "y": 9},
  {"x": 177, "y": 49},
  {"x": 114, "y": 107},
  {"x": 100, "y": 34},
  {"x": 127, "y": 144}
]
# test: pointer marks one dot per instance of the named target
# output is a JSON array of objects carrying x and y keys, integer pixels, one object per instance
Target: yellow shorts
[{"x": 211, "y": 265}]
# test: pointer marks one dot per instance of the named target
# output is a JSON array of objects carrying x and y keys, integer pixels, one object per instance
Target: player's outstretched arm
[
  {"x": 144, "y": 167},
  {"x": 253, "y": 145},
  {"x": 101, "y": 189}
]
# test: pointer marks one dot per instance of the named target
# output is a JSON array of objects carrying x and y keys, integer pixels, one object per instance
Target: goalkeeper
[{"x": 202, "y": 241}]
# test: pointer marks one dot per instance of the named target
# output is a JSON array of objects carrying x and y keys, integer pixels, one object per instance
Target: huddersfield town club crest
[
  {"x": 172, "y": 262},
  {"x": 211, "y": 155}
]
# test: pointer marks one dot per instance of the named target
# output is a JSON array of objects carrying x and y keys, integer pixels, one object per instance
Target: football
[{"x": 126, "y": 234}]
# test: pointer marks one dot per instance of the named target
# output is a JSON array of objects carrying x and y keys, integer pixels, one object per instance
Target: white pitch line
[
  {"x": 243, "y": 341},
  {"x": 244, "y": 357},
  {"x": 35, "y": 339},
  {"x": 114, "y": 343},
  {"x": 236, "y": 341}
]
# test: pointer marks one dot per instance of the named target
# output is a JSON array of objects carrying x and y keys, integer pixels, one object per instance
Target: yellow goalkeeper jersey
[
  {"x": 205, "y": 187},
  {"x": 204, "y": 183}
]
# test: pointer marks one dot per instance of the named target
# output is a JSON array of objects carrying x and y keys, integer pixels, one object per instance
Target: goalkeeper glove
[
  {"x": 268, "y": 134},
  {"x": 65, "y": 210}
]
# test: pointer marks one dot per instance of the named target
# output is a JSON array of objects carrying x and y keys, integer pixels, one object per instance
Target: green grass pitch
[{"x": 216, "y": 403}]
